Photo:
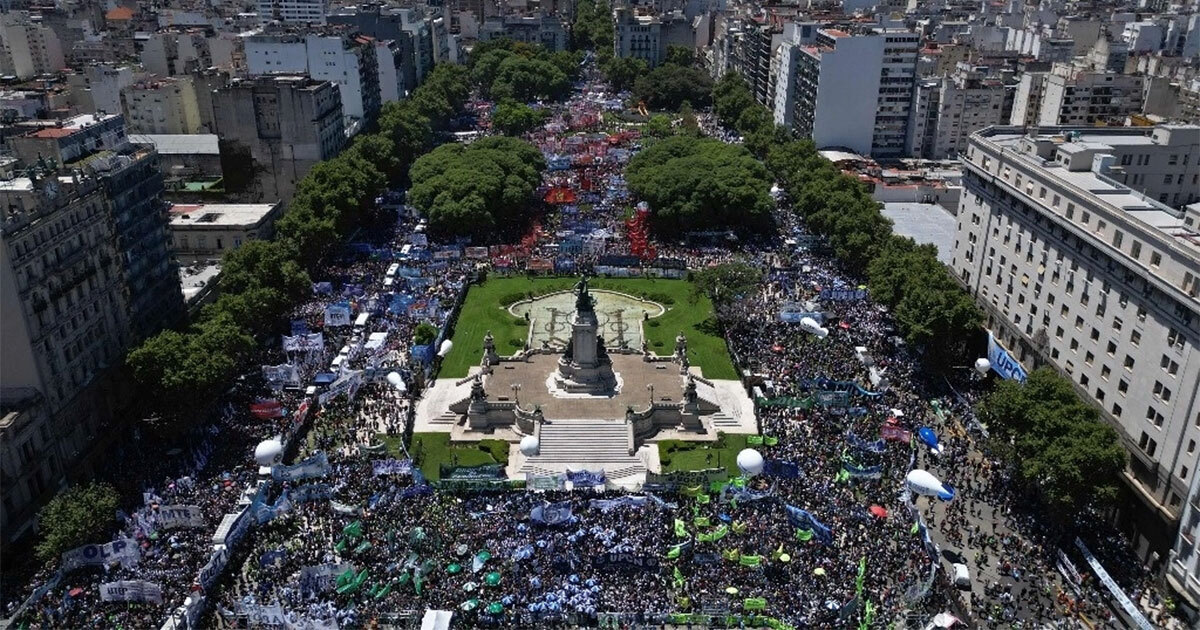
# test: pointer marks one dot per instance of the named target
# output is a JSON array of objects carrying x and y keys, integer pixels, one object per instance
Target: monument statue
[
  {"x": 583, "y": 299},
  {"x": 680, "y": 345},
  {"x": 585, "y": 366}
]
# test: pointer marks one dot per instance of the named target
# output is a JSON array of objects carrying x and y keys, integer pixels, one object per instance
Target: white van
[{"x": 962, "y": 575}]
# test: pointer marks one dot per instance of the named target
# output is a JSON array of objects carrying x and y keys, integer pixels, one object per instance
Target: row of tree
[
  {"x": 181, "y": 371},
  {"x": 506, "y": 69}
]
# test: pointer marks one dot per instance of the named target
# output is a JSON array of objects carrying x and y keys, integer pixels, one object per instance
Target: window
[
  {"x": 1089, "y": 358},
  {"x": 1153, "y": 416},
  {"x": 1135, "y": 250},
  {"x": 1135, "y": 338},
  {"x": 1174, "y": 338},
  {"x": 1118, "y": 238},
  {"x": 1085, "y": 218},
  {"x": 1116, "y": 410},
  {"x": 1078, "y": 323},
  {"x": 1099, "y": 392},
  {"x": 1155, "y": 259},
  {"x": 1123, "y": 386},
  {"x": 1162, "y": 392},
  {"x": 1095, "y": 335},
  {"x": 1104, "y": 372},
  {"x": 1147, "y": 444},
  {"x": 1070, "y": 210},
  {"x": 1168, "y": 178},
  {"x": 1129, "y": 363},
  {"x": 1191, "y": 446},
  {"x": 1058, "y": 333},
  {"x": 1074, "y": 344},
  {"x": 1183, "y": 472}
]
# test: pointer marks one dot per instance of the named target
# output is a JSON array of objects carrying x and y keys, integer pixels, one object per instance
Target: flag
[
  {"x": 674, "y": 552},
  {"x": 914, "y": 529},
  {"x": 754, "y": 440},
  {"x": 804, "y": 535},
  {"x": 680, "y": 581},
  {"x": 754, "y": 603},
  {"x": 770, "y": 440},
  {"x": 862, "y": 575},
  {"x": 701, "y": 521},
  {"x": 738, "y": 527},
  {"x": 750, "y": 561},
  {"x": 703, "y": 499},
  {"x": 680, "y": 529},
  {"x": 353, "y": 530},
  {"x": 732, "y": 555}
]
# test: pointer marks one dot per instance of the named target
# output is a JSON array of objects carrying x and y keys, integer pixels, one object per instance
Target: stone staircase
[
  {"x": 446, "y": 419},
  {"x": 722, "y": 421},
  {"x": 590, "y": 444}
]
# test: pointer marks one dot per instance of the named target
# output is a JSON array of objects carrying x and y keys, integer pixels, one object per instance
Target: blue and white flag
[
  {"x": 801, "y": 519},
  {"x": 781, "y": 469},
  {"x": 878, "y": 446},
  {"x": 315, "y": 466},
  {"x": 586, "y": 478},
  {"x": 551, "y": 513}
]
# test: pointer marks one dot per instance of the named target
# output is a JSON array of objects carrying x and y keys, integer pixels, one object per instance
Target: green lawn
[
  {"x": 431, "y": 450},
  {"x": 678, "y": 455},
  {"x": 486, "y": 308}
]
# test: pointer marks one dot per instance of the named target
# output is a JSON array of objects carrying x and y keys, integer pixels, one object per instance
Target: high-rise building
[
  {"x": 347, "y": 59},
  {"x": 162, "y": 106},
  {"x": 850, "y": 90},
  {"x": 948, "y": 110},
  {"x": 28, "y": 48},
  {"x": 85, "y": 272},
  {"x": 280, "y": 127},
  {"x": 1078, "y": 269},
  {"x": 412, "y": 32},
  {"x": 292, "y": 11},
  {"x": 1076, "y": 95}
]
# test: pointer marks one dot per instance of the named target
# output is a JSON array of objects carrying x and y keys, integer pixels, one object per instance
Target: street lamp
[{"x": 516, "y": 389}]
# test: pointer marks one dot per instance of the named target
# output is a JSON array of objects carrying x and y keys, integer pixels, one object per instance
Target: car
[{"x": 962, "y": 575}]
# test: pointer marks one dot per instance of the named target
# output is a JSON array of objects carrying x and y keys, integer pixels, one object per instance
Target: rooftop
[
  {"x": 68, "y": 126},
  {"x": 180, "y": 143},
  {"x": 925, "y": 223},
  {"x": 219, "y": 214}
]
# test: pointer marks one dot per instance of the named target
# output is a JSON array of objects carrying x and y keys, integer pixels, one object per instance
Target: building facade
[
  {"x": 946, "y": 111},
  {"x": 203, "y": 232},
  {"x": 1084, "y": 273},
  {"x": 1073, "y": 95},
  {"x": 292, "y": 11},
  {"x": 162, "y": 106},
  {"x": 279, "y": 127},
  {"x": 27, "y": 48},
  {"x": 345, "y": 59}
]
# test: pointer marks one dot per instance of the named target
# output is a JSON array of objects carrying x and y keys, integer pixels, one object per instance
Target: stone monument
[{"x": 585, "y": 367}]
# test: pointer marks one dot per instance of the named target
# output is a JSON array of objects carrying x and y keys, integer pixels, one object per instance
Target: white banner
[
  {"x": 314, "y": 342},
  {"x": 337, "y": 315},
  {"x": 1136, "y": 617},
  {"x": 285, "y": 374},
  {"x": 264, "y": 615},
  {"x": 126, "y": 552},
  {"x": 347, "y": 385},
  {"x": 173, "y": 516},
  {"x": 315, "y": 466},
  {"x": 131, "y": 591}
]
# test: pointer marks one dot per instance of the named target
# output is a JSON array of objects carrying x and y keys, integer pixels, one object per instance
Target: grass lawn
[
  {"x": 486, "y": 308},
  {"x": 431, "y": 450},
  {"x": 677, "y": 455}
]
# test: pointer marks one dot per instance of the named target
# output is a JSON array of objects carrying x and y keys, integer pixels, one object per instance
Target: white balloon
[
  {"x": 530, "y": 446},
  {"x": 982, "y": 365},
  {"x": 445, "y": 349},
  {"x": 822, "y": 333},
  {"x": 809, "y": 325},
  {"x": 923, "y": 482},
  {"x": 750, "y": 461},
  {"x": 397, "y": 381},
  {"x": 268, "y": 452}
]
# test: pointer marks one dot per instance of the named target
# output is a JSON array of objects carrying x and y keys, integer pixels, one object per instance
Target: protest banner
[
  {"x": 315, "y": 466},
  {"x": 131, "y": 591},
  {"x": 173, "y": 516},
  {"x": 627, "y": 561},
  {"x": 382, "y": 467},
  {"x": 125, "y": 552}
]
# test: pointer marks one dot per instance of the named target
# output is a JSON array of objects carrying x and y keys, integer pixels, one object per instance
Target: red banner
[
  {"x": 267, "y": 409},
  {"x": 896, "y": 434}
]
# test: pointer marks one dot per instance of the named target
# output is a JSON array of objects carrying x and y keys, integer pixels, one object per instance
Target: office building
[
  {"x": 1080, "y": 271},
  {"x": 544, "y": 30},
  {"x": 292, "y": 11},
  {"x": 948, "y": 110},
  {"x": 343, "y": 58},
  {"x": 412, "y": 32},
  {"x": 850, "y": 90},
  {"x": 1076, "y": 95},
  {"x": 279, "y": 128},
  {"x": 27, "y": 48},
  {"x": 203, "y": 232},
  {"x": 85, "y": 273}
]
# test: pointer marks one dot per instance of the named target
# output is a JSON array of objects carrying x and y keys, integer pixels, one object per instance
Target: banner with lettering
[
  {"x": 627, "y": 561},
  {"x": 551, "y": 513},
  {"x": 604, "y": 505},
  {"x": 173, "y": 516},
  {"x": 586, "y": 478},
  {"x": 803, "y": 520},
  {"x": 546, "y": 482},
  {"x": 321, "y": 578},
  {"x": 1003, "y": 362},
  {"x": 781, "y": 469},
  {"x": 131, "y": 591},
  {"x": 213, "y": 568},
  {"x": 312, "y": 492},
  {"x": 314, "y": 342},
  {"x": 125, "y": 552},
  {"x": 337, "y": 314},
  {"x": 283, "y": 374},
  {"x": 382, "y": 467},
  {"x": 315, "y": 466},
  {"x": 267, "y": 409}
]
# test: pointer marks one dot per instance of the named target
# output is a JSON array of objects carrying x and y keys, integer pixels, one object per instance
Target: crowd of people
[{"x": 825, "y": 537}]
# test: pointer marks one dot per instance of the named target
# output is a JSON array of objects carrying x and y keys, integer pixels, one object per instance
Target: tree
[
  {"x": 701, "y": 184},
  {"x": 679, "y": 55},
  {"x": 659, "y": 126},
  {"x": 80, "y": 515},
  {"x": 622, "y": 72},
  {"x": 669, "y": 85},
  {"x": 265, "y": 264},
  {"x": 182, "y": 372},
  {"x": 689, "y": 124},
  {"x": 424, "y": 334},
  {"x": 529, "y": 79},
  {"x": 593, "y": 28},
  {"x": 728, "y": 282},
  {"x": 1059, "y": 444},
  {"x": 515, "y": 118}
]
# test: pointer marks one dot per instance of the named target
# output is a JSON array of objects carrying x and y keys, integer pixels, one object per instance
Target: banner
[
  {"x": 267, "y": 513},
  {"x": 267, "y": 409},
  {"x": 546, "y": 482},
  {"x": 337, "y": 314},
  {"x": 315, "y": 466},
  {"x": 688, "y": 477},
  {"x": 125, "y": 551},
  {"x": 465, "y": 473},
  {"x": 801, "y": 519},
  {"x": 781, "y": 469},
  {"x": 314, "y": 342},
  {"x": 131, "y": 591},
  {"x": 877, "y": 446},
  {"x": 869, "y": 472},
  {"x": 627, "y": 561},
  {"x": 283, "y": 374},
  {"x": 172, "y": 516},
  {"x": 321, "y": 578},
  {"x": 392, "y": 467},
  {"x": 754, "y": 603},
  {"x": 843, "y": 295},
  {"x": 1139, "y": 620},
  {"x": 213, "y": 568},
  {"x": 312, "y": 492},
  {"x": 586, "y": 478},
  {"x": 604, "y": 505},
  {"x": 347, "y": 384},
  {"x": 259, "y": 615},
  {"x": 895, "y": 434},
  {"x": 1003, "y": 363},
  {"x": 551, "y": 513}
]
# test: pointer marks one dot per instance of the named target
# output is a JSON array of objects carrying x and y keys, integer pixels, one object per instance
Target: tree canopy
[
  {"x": 474, "y": 190},
  {"x": 513, "y": 118},
  {"x": 505, "y": 69},
  {"x": 669, "y": 85},
  {"x": 82, "y": 514},
  {"x": 701, "y": 184},
  {"x": 728, "y": 282},
  {"x": 593, "y": 28},
  {"x": 1059, "y": 445},
  {"x": 622, "y": 72}
]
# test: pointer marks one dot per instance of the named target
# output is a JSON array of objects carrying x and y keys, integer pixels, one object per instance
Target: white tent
[{"x": 436, "y": 620}]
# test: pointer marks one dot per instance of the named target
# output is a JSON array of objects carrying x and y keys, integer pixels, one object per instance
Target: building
[
  {"x": 85, "y": 272},
  {"x": 1075, "y": 95},
  {"x": 185, "y": 159},
  {"x": 751, "y": 46},
  {"x": 1084, "y": 273},
  {"x": 292, "y": 11},
  {"x": 105, "y": 82},
  {"x": 850, "y": 90},
  {"x": 172, "y": 53},
  {"x": 162, "y": 106},
  {"x": 544, "y": 30},
  {"x": 277, "y": 128},
  {"x": 203, "y": 232},
  {"x": 639, "y": 36},
  {"x": 947, "y": 111},
  {"x": 412, "y": 32},
  {"x": 27, "y": 48},
  {"x": 345, "y": 59}
]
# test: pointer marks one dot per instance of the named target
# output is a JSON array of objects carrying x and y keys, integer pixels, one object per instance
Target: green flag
[
  {"x": 770, "y": 440},
  {"x": 353, "y": 530},
  {"x": 754, "y": 603},
  {"x": 804, "y": 535},
  {"x": 754, "y": 440},
  {"x": 915, "y": 528},
  {"x": 703, "y": 499},
  {"x": 716, "y": 487},
  {"x": 738, "y": 527},
  {"x": 750, "y": 561},
  {"x": 701, "y": 521},
  {"x": 731, "y": 555},
  {"x": 363, "y": 546},
  {"x": 692, "y": 491},
  {"x": 680, "y": 581},
  {"x": 862, "y": 575},
  {"x": 674, "y": 552}
]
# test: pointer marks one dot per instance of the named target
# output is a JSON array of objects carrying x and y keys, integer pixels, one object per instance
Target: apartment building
[
  {"x": 172, "y": 53},
  {"x": 162, "y": 106},
  {"x": 544, "y": 30},
  {"x": 292, "y": 11},
  {"x": 850, "y": 90},
  {"x": 344, "y": 58},
  {"x": 85, "y": 272},
  {"x": 1083, "y": 272},
  {"x": 203, "y": 232},
  {"x": 1077, "y": 95},
  {"x": 27, "y": 48},
  {"x": 948, "y": 110},
  {"x": 639, "y": 36},
  {"x": 280, "y": 127},
  {"x": 412, "y": 32}
]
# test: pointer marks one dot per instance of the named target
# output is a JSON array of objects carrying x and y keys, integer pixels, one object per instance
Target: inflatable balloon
[
  {"x": 982, "y": 365},
  {"x": 445, "y": 349},
  {"x": 928, "y": 437},
  {"x": 810, "y": 325},
  {"x": 268, "y": 452},
  {"x": 923, "y": 482},
  {"x": 750, "y": 462},
  {"x": 822, "y": 333},
  {"x": 395, "y": 380},
  {"x": 530, "y": 446}
]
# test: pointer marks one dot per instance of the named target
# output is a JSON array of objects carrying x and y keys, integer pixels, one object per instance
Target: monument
[{"x": 585, "y": 367}]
